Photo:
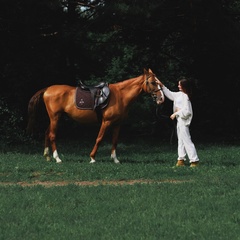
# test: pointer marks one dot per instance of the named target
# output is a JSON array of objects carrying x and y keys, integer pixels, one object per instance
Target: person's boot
[
  {"x": 180, "y": 163},
  {"x": 194, "y": 164}
]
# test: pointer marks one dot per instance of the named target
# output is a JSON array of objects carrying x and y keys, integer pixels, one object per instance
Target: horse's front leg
[
  {"x": 103, "y": 128},
  {"x": 116, "y": 130}
]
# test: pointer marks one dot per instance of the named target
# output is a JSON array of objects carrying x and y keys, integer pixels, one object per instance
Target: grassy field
[{"x": 169, "y": 203}]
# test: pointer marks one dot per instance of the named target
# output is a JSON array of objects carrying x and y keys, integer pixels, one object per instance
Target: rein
[
  {"x": 172, "y": 123},
  {"x": 159, "y": 113}
]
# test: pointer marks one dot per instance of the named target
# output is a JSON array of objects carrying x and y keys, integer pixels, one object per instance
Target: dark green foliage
[
  {"x": 61, "y": 42},
  {"x": 11, "y": 127}
]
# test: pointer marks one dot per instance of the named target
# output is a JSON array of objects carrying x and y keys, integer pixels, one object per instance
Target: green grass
[{"x": 202, "y": 203}]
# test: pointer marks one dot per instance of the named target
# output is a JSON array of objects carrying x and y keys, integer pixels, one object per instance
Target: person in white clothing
[{"x": 182, "y": 111}]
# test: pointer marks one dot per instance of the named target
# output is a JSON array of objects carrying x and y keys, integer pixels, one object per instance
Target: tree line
[{"x": 64, "y": 41}]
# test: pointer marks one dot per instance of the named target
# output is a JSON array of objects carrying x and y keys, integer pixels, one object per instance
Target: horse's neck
[{"x": 131, "y": 88}]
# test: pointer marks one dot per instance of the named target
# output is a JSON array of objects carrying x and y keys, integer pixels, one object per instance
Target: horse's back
[
  {"x": 59, "y": 96},
  {"x": 59, "y": 89}
]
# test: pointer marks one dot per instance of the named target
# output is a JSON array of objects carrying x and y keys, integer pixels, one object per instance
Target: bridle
[{"x": 150, "y": 90}]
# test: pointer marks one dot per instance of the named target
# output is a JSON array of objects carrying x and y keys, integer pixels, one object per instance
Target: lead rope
[{"x": 173, "y": 124}]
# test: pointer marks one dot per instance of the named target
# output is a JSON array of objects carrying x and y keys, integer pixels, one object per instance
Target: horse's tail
[{"x": 33, "y": 105}]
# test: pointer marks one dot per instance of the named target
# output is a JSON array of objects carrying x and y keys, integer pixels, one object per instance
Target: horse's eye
[{"x": 154, "y": 83}]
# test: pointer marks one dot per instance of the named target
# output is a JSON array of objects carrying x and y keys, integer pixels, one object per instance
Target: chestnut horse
[{"x": 61, "y": 98}]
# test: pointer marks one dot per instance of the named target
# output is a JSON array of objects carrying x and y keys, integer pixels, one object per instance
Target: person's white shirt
[{"x": 182, "y": 106}]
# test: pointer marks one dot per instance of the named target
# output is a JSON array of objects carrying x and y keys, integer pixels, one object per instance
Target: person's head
[{"x": 185, "y": 86}]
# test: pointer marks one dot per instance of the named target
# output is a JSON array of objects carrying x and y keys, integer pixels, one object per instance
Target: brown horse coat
[{"x": 61, "y": 98}]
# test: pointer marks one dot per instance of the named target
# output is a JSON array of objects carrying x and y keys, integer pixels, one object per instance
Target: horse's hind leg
[
  {"x": 46, "y": 153},
  {"x": 50, "y": 139},
  {"x": 52, "y": 136},
  {"x": 116, "y": 130}
]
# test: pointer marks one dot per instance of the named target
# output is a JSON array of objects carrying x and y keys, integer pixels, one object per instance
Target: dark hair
[{"x": 186, "y": 87}]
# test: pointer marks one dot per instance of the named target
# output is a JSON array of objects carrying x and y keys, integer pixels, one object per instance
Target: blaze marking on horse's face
[
  {"x": 158, "y": 93},
  {"x": 160, "y": 99}
]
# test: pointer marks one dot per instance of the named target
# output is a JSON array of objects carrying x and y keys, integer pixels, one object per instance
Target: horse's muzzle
[{"x": 160, "y": 97}]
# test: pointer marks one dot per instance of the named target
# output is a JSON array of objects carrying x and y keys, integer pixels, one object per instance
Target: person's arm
[{"x": 169, "y": 94}]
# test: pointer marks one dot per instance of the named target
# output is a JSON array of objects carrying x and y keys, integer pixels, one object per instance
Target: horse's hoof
[
  {"x": 117, "y": 162},
  {"x": 59, "y": 161},
  {"x": 92, "y": 161},
  {"x": 48, "y": 159}
]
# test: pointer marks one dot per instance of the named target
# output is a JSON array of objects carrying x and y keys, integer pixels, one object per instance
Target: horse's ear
[
  {"x": 145, "y": 71},
  {"x": 150, "y": 71}
]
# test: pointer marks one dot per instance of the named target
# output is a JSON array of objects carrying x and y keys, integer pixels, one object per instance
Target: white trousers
[{"x": 185, "y": 144}]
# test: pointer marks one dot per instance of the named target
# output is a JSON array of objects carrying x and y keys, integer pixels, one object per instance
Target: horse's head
[{"x": 152, "y": 86}]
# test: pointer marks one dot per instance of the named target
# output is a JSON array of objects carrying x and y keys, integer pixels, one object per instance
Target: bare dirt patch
[{"x": 89, "y": 183}]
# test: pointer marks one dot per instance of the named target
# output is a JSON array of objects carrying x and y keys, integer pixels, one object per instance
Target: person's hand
[
  {"x": 173, "y": 116},
  {"x": 159, "y": 82}
]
